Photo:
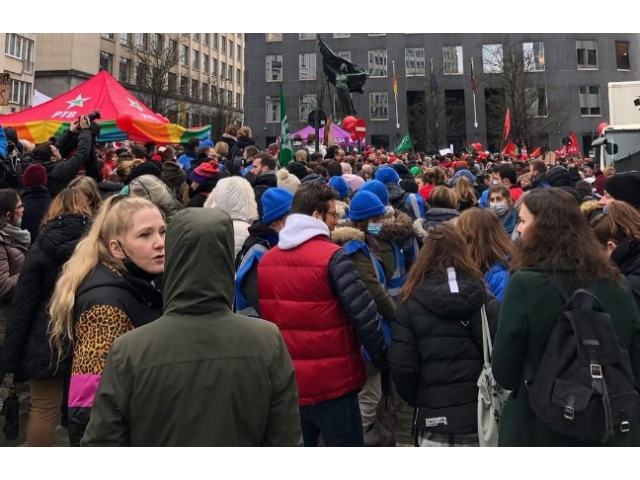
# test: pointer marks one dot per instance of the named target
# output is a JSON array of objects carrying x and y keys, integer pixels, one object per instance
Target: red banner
[{"x": 573, "y": 149}]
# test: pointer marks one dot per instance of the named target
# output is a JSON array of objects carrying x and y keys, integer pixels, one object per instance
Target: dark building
[{"x": 563, "y": 77}]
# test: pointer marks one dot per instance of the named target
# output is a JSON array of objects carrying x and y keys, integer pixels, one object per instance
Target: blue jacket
[
  {"x": 3, "y": 142},
  {"x": 510, "y": 222},
  {"x": 497, "y": 279},
  {"x": 484, "y": 199}
]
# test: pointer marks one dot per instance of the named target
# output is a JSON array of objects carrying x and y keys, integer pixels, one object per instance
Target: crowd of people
[{"x": 206, "y": 295}]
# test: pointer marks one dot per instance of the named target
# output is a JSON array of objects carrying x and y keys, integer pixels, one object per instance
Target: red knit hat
[{"x": 34, "y": 175}]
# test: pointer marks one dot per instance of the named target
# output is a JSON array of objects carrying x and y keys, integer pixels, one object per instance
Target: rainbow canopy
[{"x": 101, "y": 92}]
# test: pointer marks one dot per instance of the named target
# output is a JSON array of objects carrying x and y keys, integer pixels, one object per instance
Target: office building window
[
  {"x": 184, "y": 55},
  {"x": 142, "y": 41},
  {"x": 238, "y": 101},
  {"x": 184, "y": 86},
  {"x": 533, "y": 54},
  {"x": 124, "y": 75},
  {"x": 157, "y": 42},
  {"x": 230, "y": 73},
  {"x": 223, "y": 70},
  {"x": 205, "y": 63},
  {"x": 173, "y": 50},
  {"x": 346, "y": 55},
  {"x": 205, "y": 39},
  {"x": 223, "y": 95},
  {"x": 273, "y": 37},
  {"x": 307, "y": 66},
  {"x": 341, "y": 35},
  {"x": 195, "y": 59},
  {"x": 273, "y": 109},
  {"x": 274, "y": 68},
  {"x": 195, "y": 89},
  {"x": 379, "y": 106},
  {"x": 590, "y": 101},
  {"x": 378, "y": 63},
  {"x": 306, "y": 36},
  {"x": 126, "y": 39},
  {"x": 214, "y": 94},
  {"x": 21, "y": 93},
  {"x": 492, "y": 59},
  {"x": 307, "y": 105},
  {"x": 452, "y": 60},
  {"x": 214, "y": 40},
  {"x": 239, "y": 55},
  {"x": 537, "y": 101},
  {"x": 414, "y": 61},
  {"x": 229, "y": 98},
  {"x": 106, "y": 62},
  {"x": 231, "y": 48},
  {"x": 19, "y": 47},
  {"x": 196, "y": 37},
  {"x": 587, "y": 51},
  {"x": 141, "y": 75},
  {"x": 223, "y": 44},
  {"x": 622, "y": 56},
  {"x": 238, "y": 77},
  {"x": 214, "y": 67},
  {"x": 205, "y": 92},
  {"x": 172, "y": 81},
  {"x": 109, "y": 36}
]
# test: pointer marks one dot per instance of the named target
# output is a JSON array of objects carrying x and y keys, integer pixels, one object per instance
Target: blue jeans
[{"x": 338, "y": 420}]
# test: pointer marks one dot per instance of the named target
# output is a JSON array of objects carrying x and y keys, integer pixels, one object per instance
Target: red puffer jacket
[{"x": 296, "y": 295}]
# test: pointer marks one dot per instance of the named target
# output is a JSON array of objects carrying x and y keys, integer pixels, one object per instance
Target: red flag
[
  {"x": 537, "y": 152},
  {"x": 574, "y": 148},
  {"x": 507, "y": 125},
  {"x": 510, "y": 149}
]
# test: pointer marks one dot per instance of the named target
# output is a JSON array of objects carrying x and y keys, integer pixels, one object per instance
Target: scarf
[{"x": 23, "y": 237}]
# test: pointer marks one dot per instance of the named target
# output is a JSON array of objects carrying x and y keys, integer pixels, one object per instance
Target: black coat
[
  {"x": 66, "y": 170},
  {"x": 436, "y": 356},
  {"x": 627, "y": 257},
  {"x": 36, "y": 202},
  {"x": 263, "y": 183},
  {"x": 27, "y": 349},
  {"x": 239, "y": 147}
]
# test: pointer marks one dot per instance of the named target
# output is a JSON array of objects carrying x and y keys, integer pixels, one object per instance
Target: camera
[{"x": 94, "y": 116}]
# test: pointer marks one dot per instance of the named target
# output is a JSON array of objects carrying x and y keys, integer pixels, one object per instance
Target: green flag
[
  {"x": 405, "y": 144},
  {"x": 286, "y": 151}
]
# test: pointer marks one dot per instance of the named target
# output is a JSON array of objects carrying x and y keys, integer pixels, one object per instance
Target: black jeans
[{"x": 338, "y": 420}]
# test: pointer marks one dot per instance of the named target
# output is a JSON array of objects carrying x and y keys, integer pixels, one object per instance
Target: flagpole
[
  {"x": 475, "y": 114},
  {"x": 395, "y": 93}
]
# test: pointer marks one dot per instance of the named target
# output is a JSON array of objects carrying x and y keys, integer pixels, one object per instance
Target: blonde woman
[
  {"x": 89, "y": 188},
  {"x": 466, "y": 194},
  {"x": 106, "y": 289}
]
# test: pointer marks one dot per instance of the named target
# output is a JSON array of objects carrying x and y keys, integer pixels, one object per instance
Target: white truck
[{"x": 619, "y": 145}]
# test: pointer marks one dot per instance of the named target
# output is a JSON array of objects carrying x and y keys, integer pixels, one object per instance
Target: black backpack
[
  {"x": 584, "y": 387},
  {"x": 10, "y": 172}
]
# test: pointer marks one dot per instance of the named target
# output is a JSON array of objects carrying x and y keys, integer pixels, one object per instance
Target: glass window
[
  {"x": 230, "y": 73},
  {"x": 533, "y": 54},
  {"x": 184, "y": 55},
  {"x": 141, "y": 74},
  {"x": 590, "y": 101},
  {"x": 141, "y": 41},
  {"x": 196, "y": 37},
  {"x": 238, "y": 77},
  {"x": 452, "y": 60},
  {"x": 109, "y": 36},
  {"x": 231, "y": 48},
  {"x": 239, "y": 55},
  {"x": 214, "y": 67},
  {"x": 223, "y": 44},
  {"x": 622, "y": 56},
  {"x": 173, "y": 49},
  {"x": 223, "y": 70},
  {"x": 20, "y": 93},
  {"x": 172, "y": 80},
  {"x": 223, "y": 95},
  {"x": 307, "y": 105},
  {"x": 378, "y": 63},
  {"x": 205, "y": 39},
  {"x": 307, "y": 66},
  {"x": 205, "y": 63},
  {"x": 306, "y": 36},
  {"x": 195, "y": 89},
  {"x": 214, "y": 38},
  {"x": 124, "y": 75},
  {"x": 184, "y": 86},
  {"x": 341, "y": 35},
  {"x": 273, "y": 109},
  {"x": 376, "y": 34},
  {"x": 230, "y": 98},
  {"x": 238, "y": 101},
  {"x": 126, "y": 38},
  {"x": 346, "y": 55},
  {"x": 205, "y": 91},
  {"x": 492, "y": 61},
  {"x": 414, "y": 61},
  {"x": 537, "y": 101},
  {"x": 274, "y": 68},
  {"x": 273, "y": 37},
  {"x": 157, "y": 42},
  {"x": 214, "y": 94},
  {"x": 106, "y": 62},
  {"x": 195, "y": 59},
  {"x": 587, "y": 51},
  {"x": 379, "y": 106}
]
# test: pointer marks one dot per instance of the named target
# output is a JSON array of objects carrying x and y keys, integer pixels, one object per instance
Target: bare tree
[{"x": 220, "y": 110}]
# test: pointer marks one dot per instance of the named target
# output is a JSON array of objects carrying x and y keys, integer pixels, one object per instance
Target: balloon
[
  {"x": 601, "y": 127},
  {"x": 478, "y": 146},
  {"x": 353, "y": 137},
  {"x": 124, "y": 121},
  {"x": 473, "y": 146},
  {"x": 349, "y": 123}
]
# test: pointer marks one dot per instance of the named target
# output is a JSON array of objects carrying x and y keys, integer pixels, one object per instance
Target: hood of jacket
[
  {"x": 396, "y": 228},
  {"x": 59, "y": 237},
  {"x": 451, "y": 296},
  {"x": 243, "y": 142},
  {"x": 235, "y": 196},
  {"x": 435, "y": 216},
  {"x": 299, "y": 229},
  {"x": 346, "y": 233},
  {"x": 395, "y": 192},
  {"x": 37, "y": 191},
  {"x": 200, "y": 242}
]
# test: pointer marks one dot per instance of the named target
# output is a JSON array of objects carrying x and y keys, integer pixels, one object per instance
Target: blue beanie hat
[
  {"x": 378, "y": 189},
  {"x": 387, "y": 175},
  {"x": 207, "y": 143},
  {"x": 276, "y": 203},
  {"x": 365, "y": 205},
  {"x": 341, "y": 186}
]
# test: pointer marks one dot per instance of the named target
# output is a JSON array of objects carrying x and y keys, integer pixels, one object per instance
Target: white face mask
[{"x": 499, "y": 208}]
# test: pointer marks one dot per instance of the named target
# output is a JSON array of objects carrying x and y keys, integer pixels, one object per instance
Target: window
[
  {"x": 229, "y": 98},
  {"x": 214, "y": 94},
  {"x": 205, "y": 63},
  {"x": 126, "y": 39},
  {"x": 414, "y": 61},
  {"x": 273, "y": 109},
  {"x": 125, "y": 70},
  {"x": 376, "y": 34},
  {"x": 274, "y": 68},
  {"x": 142, "y": 41},
  {"x": 307, "y": 66},
  {"x": 537, "y": 101},
  {"x": 231, "y": 48},
  {"x": 307, "y": 105},
  {"x": 346, "y": 55},
  {"x": 196, "y": 37},
  {"x": 157, "y": 42},
  {"x": 18, "y": 47},
  {"x": 20, "y": 93},
  {"x": 341, "y": 35},
  {"x": 452, "y": 60},
  {"x": 205, "y": 92},
  {"x": 223, "y": 44},
  {"x": 184, "y": 86},
  {"x": 195, "y": 89},
  {"x": 205, "y": 39},
  {"x": 306, "y": 36},
  {"x": 239, "y": 55},
  {"x": 230, "y": 73},
  {"x": 223, "y": 70},
  {"x": 378, "y": 63},
  {"x": 172, "y": 82},
  {"x": 590, "y": 101},
  {"x": 587, "y": 51},
  {"x": 238, "y": 101},
  {"x": 173, "y": 48},
  {"x": 379, "y": 106},
  {"x": 141, "y": 75},
  {"x": 238, "y": 77},
  {"x": 184, "y": 55},
  {"x": 27, "y": 55},
  {"x": 533, "y": 54},
  {"x": 109, "y": 36},
  {"x": 622, "y": 56},
  {"x": 214, "y": 38},
  {"x": 214, "y": 67},
  {"x": 273, "y": 37},
  {"x": 492, "y": 60},
  {"x": 106, "y": 62},
  {"x": 195, "y": 59}
]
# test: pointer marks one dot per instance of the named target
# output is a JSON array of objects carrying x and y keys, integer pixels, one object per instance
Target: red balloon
[
  {"x": 353, "y": 137},
  {"x": 124, "y": 121},
  {"x": 601, "y": 127},
  {"x": 478, "y": 146},
  {"x": 349, "y": 123}
]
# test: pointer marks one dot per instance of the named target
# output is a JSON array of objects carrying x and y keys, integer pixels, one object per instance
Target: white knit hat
[{"x": 287, "y": 181}]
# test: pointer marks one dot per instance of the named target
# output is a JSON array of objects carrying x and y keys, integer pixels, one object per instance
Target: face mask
[
  {"x": 374, "y": 229},
  {"x": 499, "y": 208},
  {"x": 134, "y": 269}
]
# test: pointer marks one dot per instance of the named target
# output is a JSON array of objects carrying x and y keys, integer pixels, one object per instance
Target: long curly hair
[{"x": 559, "y": 232}]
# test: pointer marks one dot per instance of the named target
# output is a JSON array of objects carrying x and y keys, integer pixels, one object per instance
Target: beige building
[
  {"x": 18, "y": 60},
  {"x": 206, "y": 73}
]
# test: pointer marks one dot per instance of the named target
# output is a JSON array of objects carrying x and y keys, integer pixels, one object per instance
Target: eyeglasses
[{"x": 336, "y": 216}]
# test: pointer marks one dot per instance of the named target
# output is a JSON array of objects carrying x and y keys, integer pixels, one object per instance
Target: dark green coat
[
  {"x": 529, "y": 311},
  {"x": 200, "y": 375}
]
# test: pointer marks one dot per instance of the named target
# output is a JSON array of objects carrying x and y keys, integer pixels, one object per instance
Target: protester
[
  {"x": 35, "y": 198},
  {"x": 623, "y": 186},
  {"x": 89, "y": 188},
  {"x": 508, "y": 176},
  {"x": 156, "y": 191},
  {"x": 190, "y": 153},
  {"x": 502, "y": 204},
  {"x": 204, "y": 179},
  {"x": 287, "y": 181},
  {"x": 465, "y": 193},
  {"x": 444, "y": 208},
  {"x": 264, "y": 169}
]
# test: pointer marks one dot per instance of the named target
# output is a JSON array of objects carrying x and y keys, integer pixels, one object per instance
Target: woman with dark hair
[
  {"x": 435, "y": 357},
  {"x": 489, "y": 245},
  {"x": 556, "y": 247}
]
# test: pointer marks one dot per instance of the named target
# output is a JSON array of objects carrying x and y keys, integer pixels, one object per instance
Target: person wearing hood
[
  {"x": 341, "y": 186},
  {"x": 623, "y": 186},
  {"x": 444, "y": 208},
  {"x": 310, "y": 289},
  {"x": 204, "y": 179},
  {"x": 200, "y": 375},
  {"x": 502, "y": 204},
  {"x": 108, "y": 287},
  {"x": 235, "y": 196},
  {"x": 35, "y": 197},
  {"x": 264, "y": 169},
  {"x": 435, "y": 357},
  {"x": 229, "y": 136},
  {"x": 411, "y": 204},
  {"x": 27, "y": 349},
  {"x": 189, "y": 153},
  {"x": 236, "y": 151},
  {"x": 263, "y": 236}
]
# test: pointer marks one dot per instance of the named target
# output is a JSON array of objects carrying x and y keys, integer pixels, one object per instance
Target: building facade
[
  {"x": 570, "y": 73},
  {"x": 19, "y": 61},
  {"x": 206, "y": 73}
]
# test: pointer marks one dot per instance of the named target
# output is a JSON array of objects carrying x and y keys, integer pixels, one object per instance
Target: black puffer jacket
[
  {"x": 627, "y": 257},
  {"x": 27, "y": 349},
  {"x": 436, "y": 356}
]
